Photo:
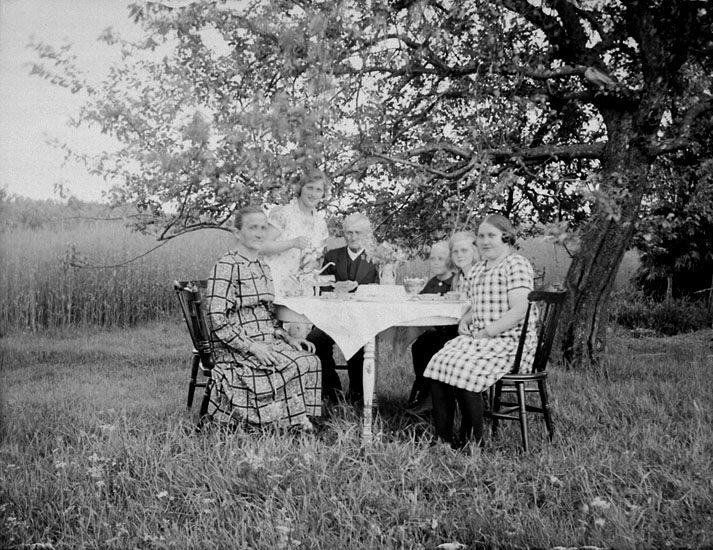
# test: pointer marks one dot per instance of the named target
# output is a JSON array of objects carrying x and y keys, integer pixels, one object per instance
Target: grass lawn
[{"x": 98, "y": 451}]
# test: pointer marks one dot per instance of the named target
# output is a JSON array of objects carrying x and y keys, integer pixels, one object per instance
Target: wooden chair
[
  {"x": 190, "y": 296},
  {"x": 550, "y": 302}
]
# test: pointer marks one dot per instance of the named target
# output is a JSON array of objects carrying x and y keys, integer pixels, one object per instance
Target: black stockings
[
  {"x": 445, "y": 397},
  {"x": 444, "y": 408}
]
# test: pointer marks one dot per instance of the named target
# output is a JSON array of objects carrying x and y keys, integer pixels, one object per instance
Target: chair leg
[
  {"x": 193, "y": 380},
  {"x": 495, "y": 405},
  {"x": 486, "y": 400},
  {"x": 544, "y": 400},
  {"x": 523, "y": 414},
  {"x": 206, "y": 399}
]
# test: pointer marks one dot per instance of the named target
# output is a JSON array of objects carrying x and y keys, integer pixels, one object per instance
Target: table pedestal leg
[{"x": 368, "y": 381}]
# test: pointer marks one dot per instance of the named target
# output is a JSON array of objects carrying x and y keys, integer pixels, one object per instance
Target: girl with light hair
[
  {"x": 298, "y": 233},
  {"x": 461, "y": 253}
]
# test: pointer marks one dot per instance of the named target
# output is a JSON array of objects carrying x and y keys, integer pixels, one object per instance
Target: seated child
[{"x": 428, "y": 343}]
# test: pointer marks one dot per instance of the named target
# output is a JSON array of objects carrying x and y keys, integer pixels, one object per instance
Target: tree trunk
[
  {"x": 604, "y": 241},
  {"x": 669, "y": 288},
  {"x": 589, "y": 280}
]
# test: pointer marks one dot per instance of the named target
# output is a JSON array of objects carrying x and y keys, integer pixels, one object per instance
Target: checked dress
[
  {"x": 475, "y": 364},
  {"x": 240, "y": 312}
]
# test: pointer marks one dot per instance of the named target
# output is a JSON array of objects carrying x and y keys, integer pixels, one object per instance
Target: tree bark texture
[{"x": 604, "y": 242}]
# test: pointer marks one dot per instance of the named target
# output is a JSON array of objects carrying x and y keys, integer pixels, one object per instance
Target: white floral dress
[
  {"x": 292, "y": 222},
  {"x": 475, "y": 364}
]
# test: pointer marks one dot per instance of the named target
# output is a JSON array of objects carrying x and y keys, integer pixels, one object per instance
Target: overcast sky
[{"x": 32, "y": 110}]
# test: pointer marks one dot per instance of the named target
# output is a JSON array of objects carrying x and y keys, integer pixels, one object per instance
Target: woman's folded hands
[
  {"x": 266, "y": 356},
  {"x": 300, "y": 344},
  {"x": 263, "y": 353}
]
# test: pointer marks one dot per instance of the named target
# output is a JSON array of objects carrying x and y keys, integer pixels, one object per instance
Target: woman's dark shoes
[
  {"x": 356, "y": 398},
  {"x": 417, "y": 394},
  {"x": 420, "y": 404}
]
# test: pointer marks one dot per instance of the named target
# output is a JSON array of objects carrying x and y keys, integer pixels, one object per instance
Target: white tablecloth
[{"x": 353, "y": 323}]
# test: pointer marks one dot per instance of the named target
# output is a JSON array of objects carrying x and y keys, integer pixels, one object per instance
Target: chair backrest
[
  {"x": 550, "y": 301},
  {"x": 190, "y": 296}
]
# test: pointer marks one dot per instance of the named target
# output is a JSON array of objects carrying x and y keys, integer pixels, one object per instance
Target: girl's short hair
[
  {"x": 245, "y": 211},
  {"x": 444, "y": 245},
  {"x": 503, "y": 224}
]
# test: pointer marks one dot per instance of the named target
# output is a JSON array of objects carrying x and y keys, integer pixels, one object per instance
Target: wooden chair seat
[{"x": 516, "y": 385}]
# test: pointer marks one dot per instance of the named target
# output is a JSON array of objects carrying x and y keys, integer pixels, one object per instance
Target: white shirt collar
[{"x": 354, "y": 255}]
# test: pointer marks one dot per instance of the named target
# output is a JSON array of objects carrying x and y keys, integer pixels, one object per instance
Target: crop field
[{"x": 40, "y": 288}]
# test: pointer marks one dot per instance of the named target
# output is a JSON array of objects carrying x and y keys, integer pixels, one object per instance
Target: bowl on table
[
  {"x": 414, "y": 285},
  {"x": 430, "y": 298},
  {"x": 344, "y": 287}
]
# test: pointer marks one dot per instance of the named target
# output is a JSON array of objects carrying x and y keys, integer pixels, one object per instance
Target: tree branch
[
  {"x": 162, "y": 242},
  {"x": 547, "y": 24},
  {"x": 441, "y": 147},
  {"x": 543, "y": 74},
  {"x": 683, "y": 137},
  {"x": 546, "y": 152},
  {"x": 504, "y": 155},
  {"x": 406, "y": 162}
]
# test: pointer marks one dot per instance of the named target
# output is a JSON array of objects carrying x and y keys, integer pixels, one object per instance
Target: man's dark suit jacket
[{"x": 365, "y": 272}]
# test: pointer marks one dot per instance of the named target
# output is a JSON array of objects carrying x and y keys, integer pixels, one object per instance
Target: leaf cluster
[{"x": 426, "y": 114}]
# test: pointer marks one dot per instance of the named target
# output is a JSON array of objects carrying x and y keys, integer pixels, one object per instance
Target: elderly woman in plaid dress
[
  {"x": 262, "y": 374},
  {"x": 484, "y": 351}
]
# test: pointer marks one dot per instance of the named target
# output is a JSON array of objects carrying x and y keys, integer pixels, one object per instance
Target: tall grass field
[
  {"x": 96, "y": 274},
  {"x": 99, "y": 452},
  {"x": 115, "y": 286}
]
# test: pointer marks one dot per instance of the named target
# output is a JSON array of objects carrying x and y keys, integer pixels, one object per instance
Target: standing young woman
[
  {"x": 262, "y": 374},
  {"x": 297, "y": 234},
  {"x": 484, "y": 351}
]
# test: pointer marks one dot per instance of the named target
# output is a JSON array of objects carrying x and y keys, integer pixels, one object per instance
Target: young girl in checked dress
[
  {"x": 262, "y": 374},
  {"x": 458, "y": 254},
  {"x": 485, "y": 349}
]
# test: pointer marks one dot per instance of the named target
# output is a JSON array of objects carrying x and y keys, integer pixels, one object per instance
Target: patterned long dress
[
  {"x": 240, "y": 312},
  {"x": 475, "y": 364},
  {"x": 292, "y": 222}
]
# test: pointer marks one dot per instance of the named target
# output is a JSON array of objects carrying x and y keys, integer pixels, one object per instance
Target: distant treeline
[{"x": 23, "y": 213}]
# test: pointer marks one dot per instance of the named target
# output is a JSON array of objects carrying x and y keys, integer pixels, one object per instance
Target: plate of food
[
  {"x": 335, "y": 296},
  {"x": 368, "y": 298},
  {"x": 453, "y": 296}
]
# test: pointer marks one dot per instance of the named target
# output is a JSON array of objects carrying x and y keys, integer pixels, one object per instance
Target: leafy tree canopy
[
  {"x": 675, "y": 233},
  {"x": 426, "y": 113}
]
